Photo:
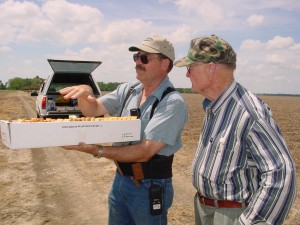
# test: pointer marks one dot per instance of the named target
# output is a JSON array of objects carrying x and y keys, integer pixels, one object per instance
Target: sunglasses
[{"x": 144, "y": 58}]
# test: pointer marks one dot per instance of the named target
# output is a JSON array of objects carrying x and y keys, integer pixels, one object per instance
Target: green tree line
[
  {"x": 18, "y": 83},
  {"x": 33, "y": 84}
]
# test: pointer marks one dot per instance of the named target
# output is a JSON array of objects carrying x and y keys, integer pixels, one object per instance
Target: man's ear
[
  {"x": 165, "y": 64},
  {"x": 212, "y": 69}
]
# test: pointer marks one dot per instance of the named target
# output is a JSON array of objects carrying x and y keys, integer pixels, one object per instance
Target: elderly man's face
[{"x": 198, "y": 74}]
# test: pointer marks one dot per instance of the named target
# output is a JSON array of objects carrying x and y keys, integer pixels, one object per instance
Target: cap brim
[
  {"x": 185, "y": 61},
  {"x": 143, "y": 48}
]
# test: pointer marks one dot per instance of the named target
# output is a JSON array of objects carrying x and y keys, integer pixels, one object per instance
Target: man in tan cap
[
  {"x": 242, "y": 170},
  {"x": 142, "y": 191}
]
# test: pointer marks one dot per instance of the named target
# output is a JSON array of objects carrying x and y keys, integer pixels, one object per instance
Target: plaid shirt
[{"x": 242, "y": 156}]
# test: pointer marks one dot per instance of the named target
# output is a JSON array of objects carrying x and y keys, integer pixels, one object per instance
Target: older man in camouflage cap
[{"x": 243, "y": 171}]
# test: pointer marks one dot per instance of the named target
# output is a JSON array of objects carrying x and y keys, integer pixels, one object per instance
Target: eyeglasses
[
  {"x": 193, "y": 65},
  {"x": 144, "y": 58}
]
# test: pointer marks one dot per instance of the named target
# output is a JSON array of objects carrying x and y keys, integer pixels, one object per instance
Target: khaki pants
[{"x": 207, "y": 215}]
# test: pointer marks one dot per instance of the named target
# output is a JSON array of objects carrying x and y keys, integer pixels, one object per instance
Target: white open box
[{"x": 48, "y": 134}]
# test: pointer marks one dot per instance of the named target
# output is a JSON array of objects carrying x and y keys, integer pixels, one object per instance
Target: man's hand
[
  {"x": 82, "y": 147},
  {"x": 80, "y": 92},
  {"x": 87, "y": 102}
]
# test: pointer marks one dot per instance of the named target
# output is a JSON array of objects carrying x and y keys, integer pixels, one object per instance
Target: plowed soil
[{"x": 56, "y": 187}]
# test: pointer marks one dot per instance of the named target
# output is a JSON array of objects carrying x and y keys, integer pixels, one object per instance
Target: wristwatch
[{"x": 100, "y": 151}]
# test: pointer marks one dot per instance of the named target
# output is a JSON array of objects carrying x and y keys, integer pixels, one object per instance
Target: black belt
[{"x": 158, "y": 167}]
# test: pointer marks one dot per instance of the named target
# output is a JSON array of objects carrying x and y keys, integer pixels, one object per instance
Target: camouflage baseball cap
[
  {"x": 208, "y": 49},
  {"x": 156, "y": 44}
]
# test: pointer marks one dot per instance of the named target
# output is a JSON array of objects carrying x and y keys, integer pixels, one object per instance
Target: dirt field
[{"x": 55, "y": 187}]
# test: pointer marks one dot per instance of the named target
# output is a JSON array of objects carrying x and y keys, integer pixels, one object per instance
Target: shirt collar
[
  {"x": 161, "y": 88},
  {"x": 223, "y": 97},
  {"x": 158, "y": 91}
]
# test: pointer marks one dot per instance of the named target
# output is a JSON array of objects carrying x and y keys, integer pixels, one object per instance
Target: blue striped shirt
[{"x": 242, "y": 156}]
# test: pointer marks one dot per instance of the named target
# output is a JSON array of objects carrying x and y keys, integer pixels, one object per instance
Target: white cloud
[
  {"x": 72, "y": 23},
  {"x": 86, "y": 53},
  {"x": 255, "y": 20},
  {"x": 296, "y": 47},
  {"x": 278, "y": 50},
  {"x": 19, "y": 13},
  {"x": 251, "y": 44},
  {"x": 15, "y": 18},
  {"x": 280, "y": 42},
  {"x": 209, "y": 12},
  {"x": 65, "y": 13},
  {"x": 270, "y": 66},
  {"x": 57, "y": 20},
  {"x": 120, "y": 31},
  {"x": 6, "y": 34},
  {"x": 181, "y": 34},
  {"x": 276, "y": 59},
  {"x": 5, "y": 49}
]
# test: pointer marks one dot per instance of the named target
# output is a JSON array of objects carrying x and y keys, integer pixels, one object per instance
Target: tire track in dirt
[
  {"x": 64, "y": 192},
  {"x": 67, "y": 196}
]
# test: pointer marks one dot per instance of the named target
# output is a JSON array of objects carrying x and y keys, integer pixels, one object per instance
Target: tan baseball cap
[{"x": 156, "y": 44}]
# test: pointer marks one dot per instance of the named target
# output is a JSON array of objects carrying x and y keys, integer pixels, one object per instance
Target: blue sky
[{"x": 264, "y": 34}]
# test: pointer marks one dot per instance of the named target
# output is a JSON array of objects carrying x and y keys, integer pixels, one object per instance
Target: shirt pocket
[
  {"x": 218, "y": 146},
  {"x": 226, "y": 160}
]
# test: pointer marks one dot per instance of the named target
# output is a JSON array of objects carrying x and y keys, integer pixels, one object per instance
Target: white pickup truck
[{"x": 49, "y": 102}]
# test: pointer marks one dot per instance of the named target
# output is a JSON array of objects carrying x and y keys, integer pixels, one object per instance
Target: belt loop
[
  {"x": 201, "y": 200},
  {"x": 216, "y": 203}
]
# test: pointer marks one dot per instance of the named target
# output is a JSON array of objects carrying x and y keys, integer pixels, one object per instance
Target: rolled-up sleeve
[{"x": 168, "y": 123}]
